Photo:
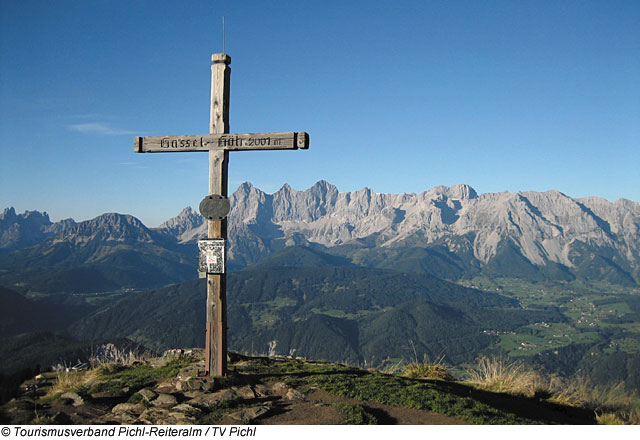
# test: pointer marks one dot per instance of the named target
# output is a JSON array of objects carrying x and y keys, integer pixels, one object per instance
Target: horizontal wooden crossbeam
[{"x": 227, "y": 141}]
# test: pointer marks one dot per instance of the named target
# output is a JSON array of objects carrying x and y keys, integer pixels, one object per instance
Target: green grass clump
[
  {"x": 122, "y": 381},
  {"x": 394, "y": 390},
  {"x": 294, "y": 367},
  {"x": 215, "y": 413},
  {"x": 138, "y": 398},
  {"x": 355, "y": 414},
  {"x": 358, "y": 384}
]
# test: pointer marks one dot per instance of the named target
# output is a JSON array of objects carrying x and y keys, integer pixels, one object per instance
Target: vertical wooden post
[
  {"x": 216, "y": 307},
  {"x": 216, "y": 332}
]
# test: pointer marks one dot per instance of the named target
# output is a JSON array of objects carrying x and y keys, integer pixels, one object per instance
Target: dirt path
[{"x": 318, "y": 409}]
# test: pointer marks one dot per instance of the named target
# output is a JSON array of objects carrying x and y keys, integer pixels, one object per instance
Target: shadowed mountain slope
[{"x": 339, "y": 313}]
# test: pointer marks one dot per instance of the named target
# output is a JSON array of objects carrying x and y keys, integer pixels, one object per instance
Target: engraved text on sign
[{"x": 227, "y": 141}]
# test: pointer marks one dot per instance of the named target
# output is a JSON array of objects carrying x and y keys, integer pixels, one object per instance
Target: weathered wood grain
[
  {"x": 222, "y": 142},
  {"x": 216, "y": 355},
  {"x": 218, "y": 143}
]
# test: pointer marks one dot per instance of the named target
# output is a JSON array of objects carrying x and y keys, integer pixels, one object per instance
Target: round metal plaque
[{"x": 214, "y": 207}]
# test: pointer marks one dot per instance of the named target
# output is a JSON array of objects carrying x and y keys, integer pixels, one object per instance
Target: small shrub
[
  {"x": 113, "y": 388},
  {"x": 82, "y": 390},
  {"x": 136, "y": 398},
  {"x": 217, "y": 411},
  {"x": 107, "y": 369},
  {"x": 355, "y": 414}
]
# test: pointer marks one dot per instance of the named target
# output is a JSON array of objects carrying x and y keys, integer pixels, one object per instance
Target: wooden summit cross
[{"x": 216, "y": 206}]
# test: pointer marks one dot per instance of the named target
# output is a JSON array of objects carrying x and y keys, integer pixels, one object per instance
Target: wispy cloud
[
  {"x": 100, "y": 128},
  {"x": 134, "y": 165},
  {"x": 85, "y": 116}
]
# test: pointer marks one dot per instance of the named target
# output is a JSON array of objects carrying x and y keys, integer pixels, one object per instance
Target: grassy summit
[{"x": 261, "y": 390}]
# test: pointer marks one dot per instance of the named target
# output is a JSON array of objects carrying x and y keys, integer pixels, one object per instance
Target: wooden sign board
[{"x": 227, "y": 141}]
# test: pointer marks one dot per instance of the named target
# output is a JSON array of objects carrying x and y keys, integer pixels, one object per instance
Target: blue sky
[{"x": 397, "y": 96}]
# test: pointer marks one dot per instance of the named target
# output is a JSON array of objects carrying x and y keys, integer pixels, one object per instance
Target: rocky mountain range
[
  {"x": 549, "y": 232},
  {"x": 450, "y": 232},
  {"x": 110, "y": 252},
  {"x": 22, "y": 230}
]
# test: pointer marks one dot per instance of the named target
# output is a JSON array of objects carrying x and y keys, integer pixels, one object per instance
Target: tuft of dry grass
[
  {"x": 620, "y": 417},
  {"x": 612, "y": 403},
  {"x": 581, "y": 392},
  {"x": 417, "y": 370},
  {"x": 110, "y": 354},
  {"x": 503, "y": 375},
  {"x": 107, "y": 359},
  {"x": 425, "y": 369},
  {"x": 42, "y": 419},
  {"x": 390, "y": 368},
  {"x": 70, "y": 380}
]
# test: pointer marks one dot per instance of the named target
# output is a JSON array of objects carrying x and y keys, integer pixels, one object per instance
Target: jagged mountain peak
[
  {"x": 187, "y": 212},
  {"x": 467, "y": 231},
  {"x": 323, "y": 185},
  {"x": 463, "y": 191},
  {"x": 8, "y": 213},
  {"x": 107, "y": 227},
  {"x": 541, "y": 226},
  {"x": 457, "y": 192},
  {"x": 43, "y": 216},
  {"x": 21, "y": 230},
  {"x": 320, "y": 189},
  {"x": 323, "y": 192},
  {"x": 186, "y": 226},
  {"x": 188, "y": 216},
  {"x": 245, "y": 187},
  {"x": 61, "y": 226},
  {"x": 627, "y": 203},
  {"x": 555, "y": 193},
  {"x": 114, "y": 218},
  {"x": 246, "y": 193},
  {"x": 365, "y": 190}
]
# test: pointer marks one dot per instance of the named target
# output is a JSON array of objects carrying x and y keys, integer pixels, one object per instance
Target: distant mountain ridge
[
  {"x": 22, "y": 230},
  {"x": 549, "y": 232},
  {"x": 110, "y": 252},
  {"x": 450, "y": 232}
]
